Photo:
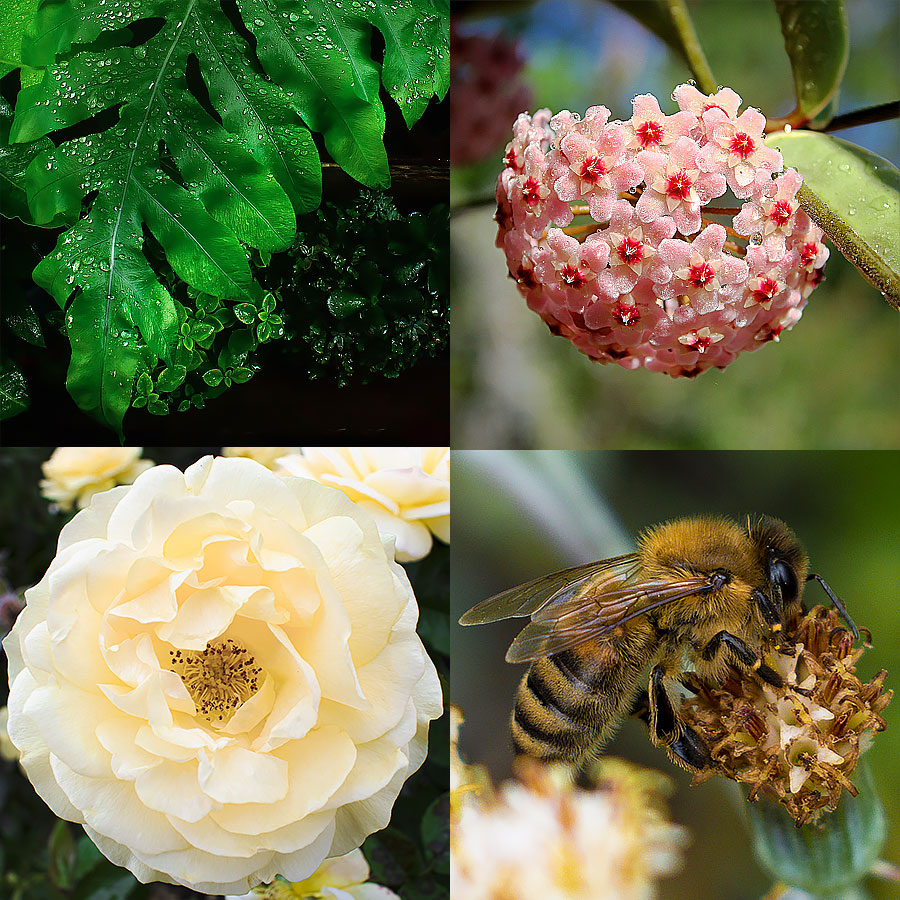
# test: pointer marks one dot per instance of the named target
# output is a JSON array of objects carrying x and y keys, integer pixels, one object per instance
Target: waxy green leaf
[
  {"x": 817, "y": 42},
  {"x": 854, "y": 195}
]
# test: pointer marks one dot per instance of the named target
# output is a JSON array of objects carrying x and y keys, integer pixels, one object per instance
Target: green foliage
[
  {"x": 192, "y": 123},
  {"x": 13, "y": 390},
  {"x": 14, "y": 18},
  {"x": 818, "y": 44},
  {"x": 367, "y": 291},
  {"x": 855, "y": 196}
]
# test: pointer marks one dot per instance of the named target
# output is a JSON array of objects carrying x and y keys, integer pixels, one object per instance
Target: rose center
[
  {"x": 679, "y": 186},
  {"x": 219, "y": 679},
  {"x": 649, "y": 133},
  {"x": 742, "y": 144}
]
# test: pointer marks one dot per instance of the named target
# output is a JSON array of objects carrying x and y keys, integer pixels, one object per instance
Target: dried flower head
[
  {"x": 647, "y": 276},
  {"x": 798, "y": 743},
  {"x": 542, "y": 838}
]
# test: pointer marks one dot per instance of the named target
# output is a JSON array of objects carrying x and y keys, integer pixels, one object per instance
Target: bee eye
[{"x": 785, "y": 577}]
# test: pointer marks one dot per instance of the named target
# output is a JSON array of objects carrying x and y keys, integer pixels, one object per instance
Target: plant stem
[
  {"x": 880, "y": 113},
  {"x": 582, "y": 229},
  {"x": 690, "y": 46}
]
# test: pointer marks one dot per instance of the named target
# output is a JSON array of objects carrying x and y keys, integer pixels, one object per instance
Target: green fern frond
[{"x": 209, "y": 149}]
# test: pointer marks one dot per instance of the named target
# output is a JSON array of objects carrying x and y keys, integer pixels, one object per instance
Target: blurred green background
[
  {"x": 832, "y": 382},
  {"x": 520, "y": 514}
]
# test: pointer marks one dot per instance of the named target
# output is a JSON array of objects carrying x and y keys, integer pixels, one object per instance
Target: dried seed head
[{"x": 799, "y": 743}]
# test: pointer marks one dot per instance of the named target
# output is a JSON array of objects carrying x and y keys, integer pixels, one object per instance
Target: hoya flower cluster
[{"x": 644, "y": 277}]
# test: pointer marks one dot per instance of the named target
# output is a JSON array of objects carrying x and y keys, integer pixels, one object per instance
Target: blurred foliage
[
  {"x": 842, "y": 505},
  {"x": 831, "y": 382},
  {"x": 44, "y": 858}
]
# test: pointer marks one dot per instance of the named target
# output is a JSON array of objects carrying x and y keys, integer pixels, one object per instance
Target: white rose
[
  {"x": 220, "y": 677},
  {"x": 74, "y": 474},
  {"x": 343, "y": 878},
  {"x": 406, "y": 489},
  {"x": 267, "y": 456}
]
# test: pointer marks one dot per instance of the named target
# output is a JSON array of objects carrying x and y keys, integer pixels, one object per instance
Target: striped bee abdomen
[{"x": 567, "y": 703}]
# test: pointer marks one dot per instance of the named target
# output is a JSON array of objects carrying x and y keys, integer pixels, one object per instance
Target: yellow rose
[
  {"x": 74, "y": 474},
  {"x": 343, "y": 878},
  {"x": 220, "y": 677},
  {"x": 406, "y": 489},
  {"x": 267, "y": 456}
]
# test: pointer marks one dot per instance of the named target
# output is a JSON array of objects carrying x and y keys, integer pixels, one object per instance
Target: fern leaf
[{"x": 198, "y": 135}]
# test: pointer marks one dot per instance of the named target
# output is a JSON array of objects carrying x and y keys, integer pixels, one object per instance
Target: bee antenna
[{"x": 836, "y": 601}]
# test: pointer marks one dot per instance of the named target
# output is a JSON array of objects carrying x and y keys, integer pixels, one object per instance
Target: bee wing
[
  {"x": 525, "y": 599},
  {"x": 570, "y": 620}
]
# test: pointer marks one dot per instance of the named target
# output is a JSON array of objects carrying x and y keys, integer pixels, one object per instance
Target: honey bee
[{"x": 700, "y": 594}]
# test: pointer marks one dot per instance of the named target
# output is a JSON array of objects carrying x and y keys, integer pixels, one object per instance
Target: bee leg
[
  {"x": 743, "y": 654},
  {"x": 770, "y": 612},
  {"x": 688, "y": 748}
]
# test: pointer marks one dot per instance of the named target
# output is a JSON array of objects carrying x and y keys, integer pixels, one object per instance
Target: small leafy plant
[{"x": 183, "y": 132}]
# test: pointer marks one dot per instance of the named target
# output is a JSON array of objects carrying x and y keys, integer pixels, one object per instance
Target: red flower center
[
  {"x": 700, "y": 343},
  {"x": 571, "y": 275},
  {"x": 701, "y": 274},
  {"x": 781, "y": 212},
  {"x": 742, "y": 144},
  {"x": 510, "y": 159},
  {"x": 626, "y": 313},
  {"x": 531, "y": 191},
  {"x": 592, "y": 169},
  {"x": 526, "y": 277},
  {"x": 630, "y": 250},
  {"x": 768, "y": 288},
  {"x": 679, "y": 186},
  {"x": 808, "y": 253},
  {"x": 649, "y": 133},
  {"x": 713, "y": 106}
]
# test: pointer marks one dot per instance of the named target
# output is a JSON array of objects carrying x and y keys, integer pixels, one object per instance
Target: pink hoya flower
[
  {"x": 649, "y": 129},
  {"x": 736, "y": 150},
  {"x": 643, "y": 276},
  {"x": 675, "y": 185},
  {"x": 690, "y": 99},
  {"x": 594, "y": 168},
  {"x": 703, "y": 273},
  {"x": 632, "y": 249},
  {"x": 771, "y": 213}
]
